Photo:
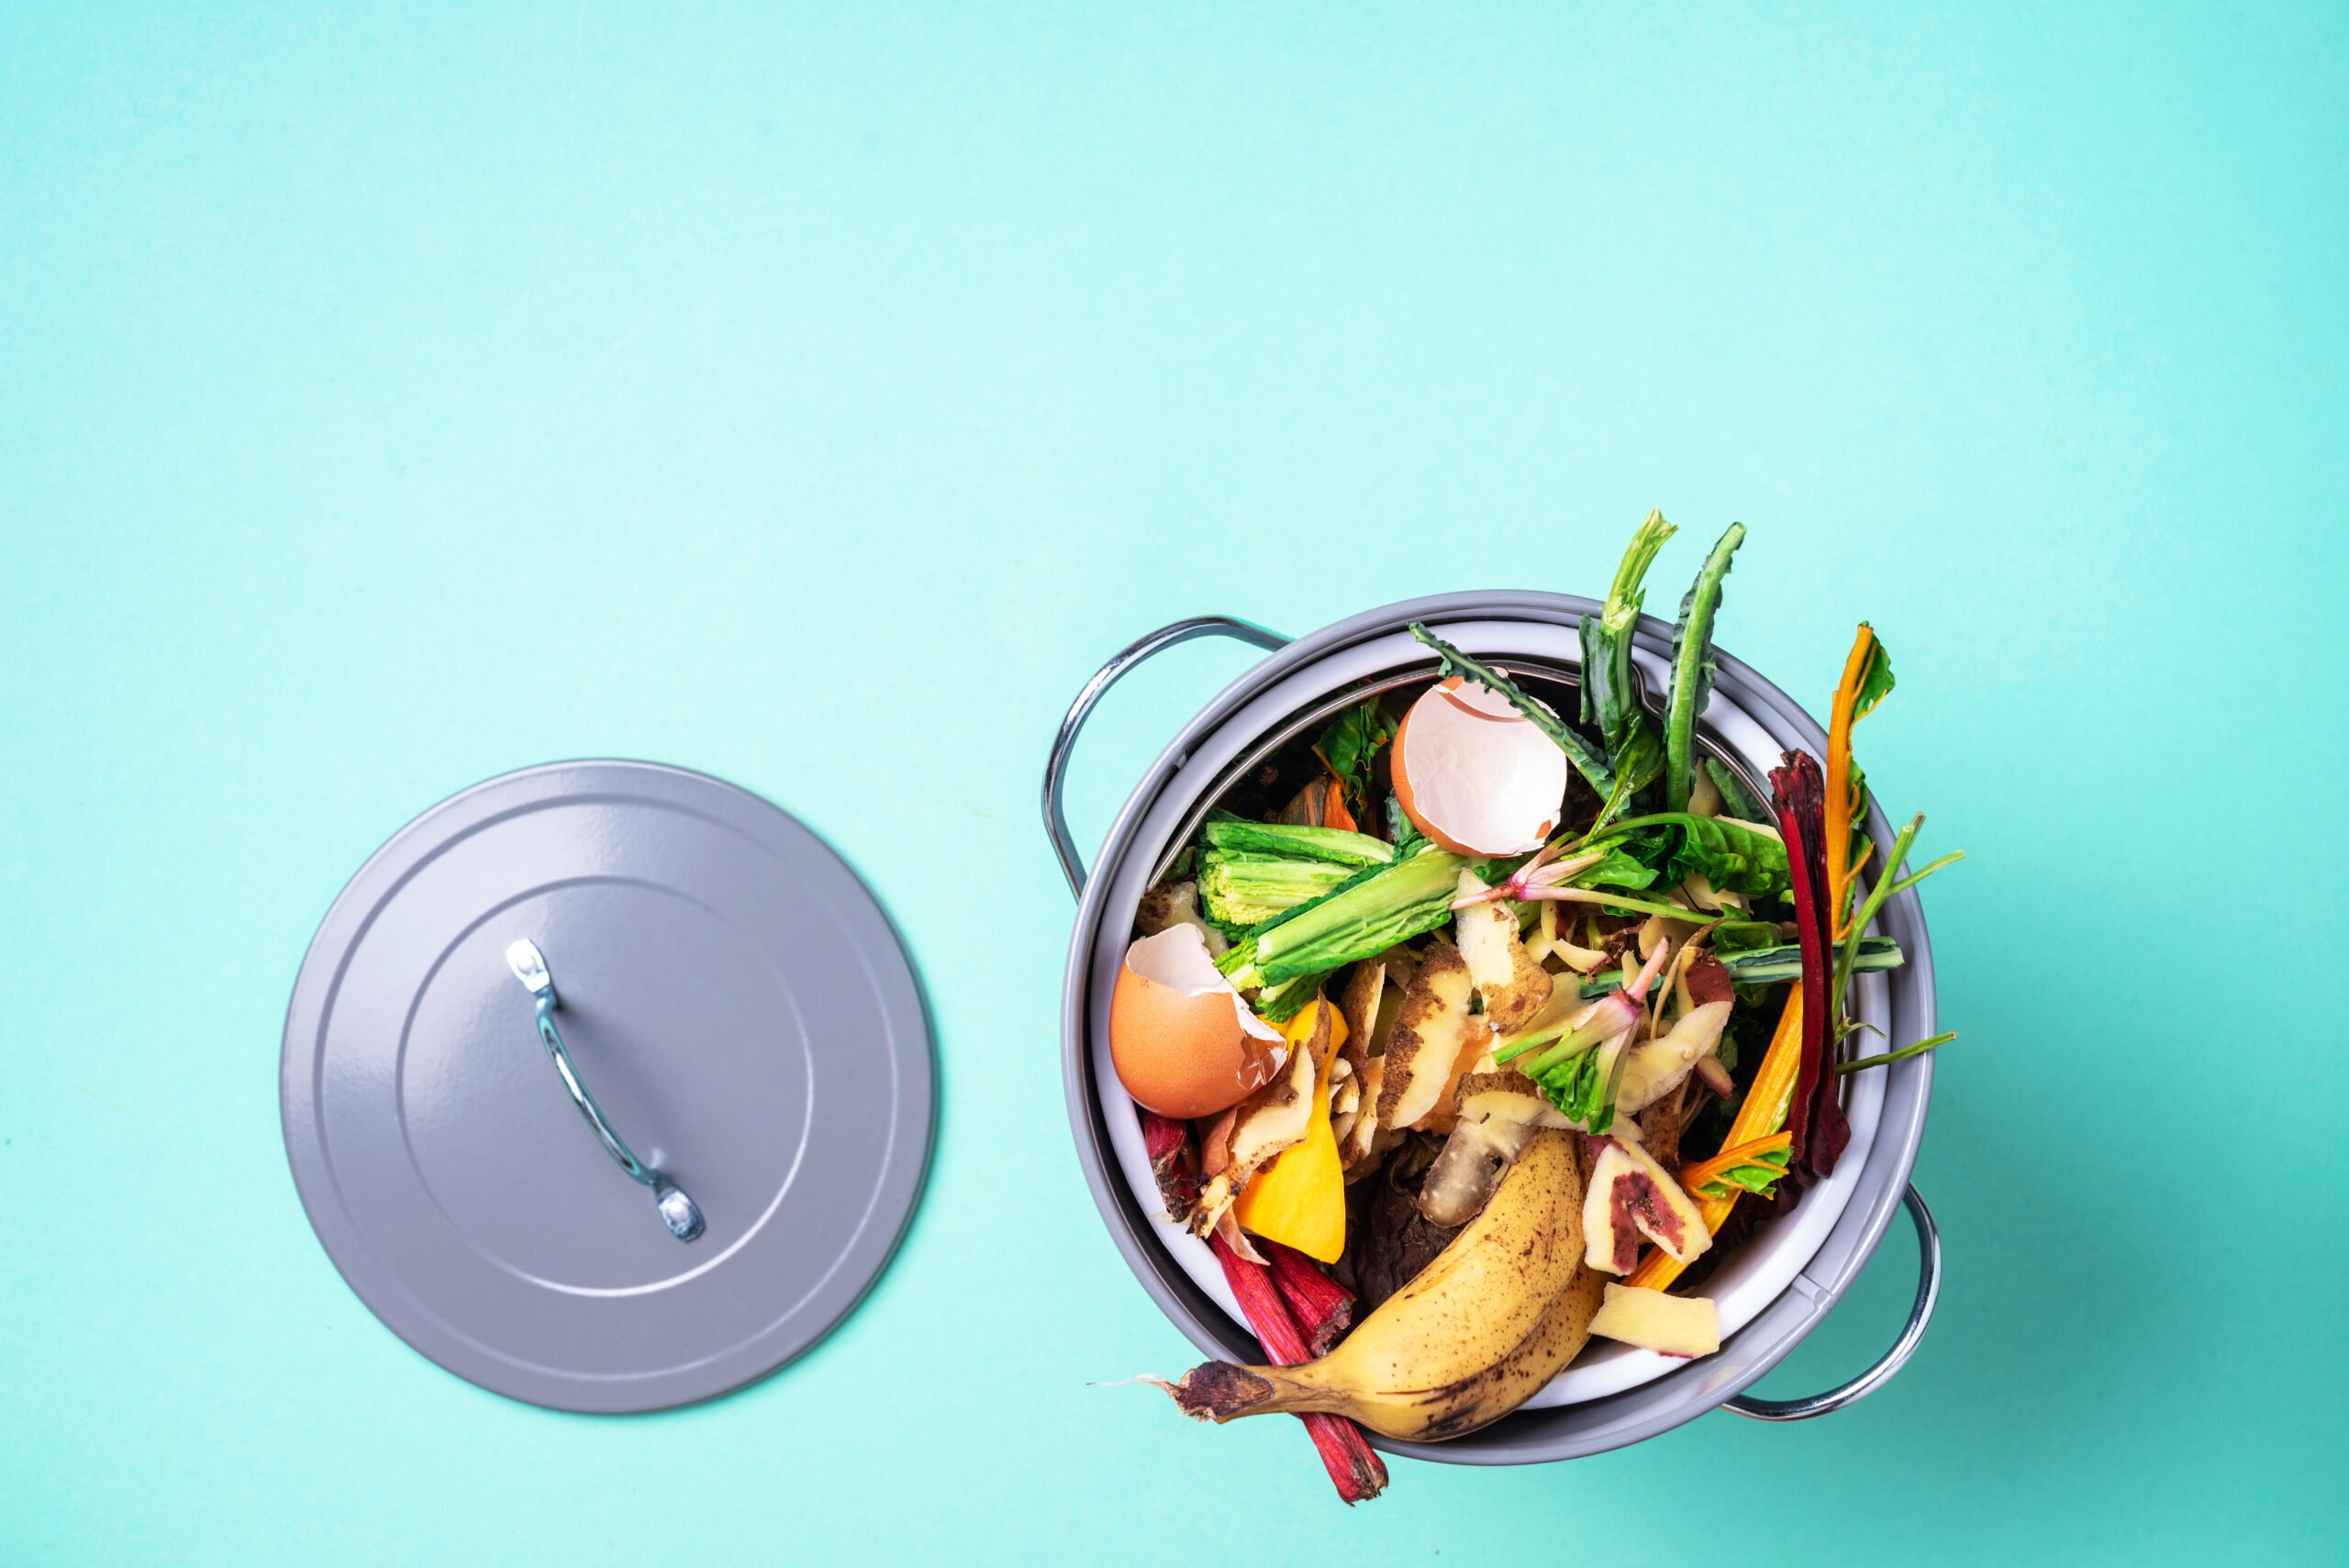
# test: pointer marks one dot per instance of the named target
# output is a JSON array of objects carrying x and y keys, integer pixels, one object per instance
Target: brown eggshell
[
  {"x": 1503, "y": 778},
  {"x": 1405, "y": 796},
  {"x": 1181, "y": 1054}
]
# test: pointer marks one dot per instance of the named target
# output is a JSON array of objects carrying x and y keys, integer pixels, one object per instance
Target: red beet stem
[
  {"x": 1356, "y": 1470},
  {"x": 1169, "y": 1145},
  {"x": 1162, "y": 1134},
  {"x": 1795, "y": 799},
  {"x": 1354, "y": 1466},
  {"x": 1814, "y": 1120},
  {"x": 1324, "y": 1309},
  {"x": 1260, "y": 1299}
]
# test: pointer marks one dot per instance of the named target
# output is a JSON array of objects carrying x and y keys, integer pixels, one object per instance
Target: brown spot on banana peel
[{"x": 1564, "y": 1330}]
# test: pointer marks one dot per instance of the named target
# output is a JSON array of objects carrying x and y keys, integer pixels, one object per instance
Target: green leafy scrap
[
  {"x": 1757, "y": 1175},
  {"x": 1692, "y": 668}
]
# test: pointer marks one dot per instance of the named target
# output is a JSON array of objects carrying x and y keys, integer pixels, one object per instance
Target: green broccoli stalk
[
  {"x": 1248, "y": 890},
  {"x": 1236, "y": 834}
]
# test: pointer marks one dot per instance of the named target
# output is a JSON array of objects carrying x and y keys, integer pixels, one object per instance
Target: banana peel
[{"x": 1497, "y": 1313}]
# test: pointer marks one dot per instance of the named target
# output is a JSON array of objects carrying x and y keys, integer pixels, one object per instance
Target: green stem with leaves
[
  {"x": 1608, "y": 700},
  {"x": 1890, "y": 883},
  {"x": 1692, "y": 668},
  {"x": 1914, "y": 877},
  {"x": 1579, "y": 751}
]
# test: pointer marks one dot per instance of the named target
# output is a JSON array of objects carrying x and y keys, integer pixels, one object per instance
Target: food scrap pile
[{"x": 1495, "y": 1028}]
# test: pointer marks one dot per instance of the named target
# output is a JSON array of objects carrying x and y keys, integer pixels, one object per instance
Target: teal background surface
[{"x": 815, "y": 399}]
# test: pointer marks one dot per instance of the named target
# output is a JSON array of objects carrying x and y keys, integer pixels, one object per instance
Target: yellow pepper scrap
[{"x": 1300, "y": 1200}]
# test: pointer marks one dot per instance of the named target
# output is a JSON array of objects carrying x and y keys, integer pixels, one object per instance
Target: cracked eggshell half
[
  {"x": 1184, "y": 1043},
  {"x": 1474, "y": 775}
]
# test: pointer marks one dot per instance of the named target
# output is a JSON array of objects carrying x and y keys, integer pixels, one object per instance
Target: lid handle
[{"x": 678, "y": 1212}]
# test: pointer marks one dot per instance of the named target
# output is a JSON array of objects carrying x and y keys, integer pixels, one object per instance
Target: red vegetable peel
[
  {"x": 1323, "y": 1307},
  {"x": 1356, "y": 1470},
  {"x": 1171, "y": 1161}
]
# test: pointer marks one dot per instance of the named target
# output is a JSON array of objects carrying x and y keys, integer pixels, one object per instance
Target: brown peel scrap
[
  {"x": 1372, "y": 1006},
  {"x": 1170, "y": 904},
  {"x": 1268, "y": 1123},
  {"x": 1360, "y": 1146},
  {"x": 1423, "y": 1054},
  {"x": 1360, "y": 1006},
  {"x": 1512, "y": 984}
]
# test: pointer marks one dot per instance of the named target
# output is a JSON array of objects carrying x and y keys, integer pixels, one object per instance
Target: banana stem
[{"x": 1223, "y": 1391}]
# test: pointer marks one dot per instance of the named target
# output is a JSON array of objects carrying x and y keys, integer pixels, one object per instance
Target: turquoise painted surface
[{"x": 846, "y": 387}]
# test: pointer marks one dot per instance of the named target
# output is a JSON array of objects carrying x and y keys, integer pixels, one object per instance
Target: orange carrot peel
[
  {"x": 1709, "y": 1178},
  {"x": 1867, "y": 680},
  {"x": 1333, "y": 809}
]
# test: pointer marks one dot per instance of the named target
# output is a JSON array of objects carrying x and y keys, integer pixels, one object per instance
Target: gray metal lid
[{"x": 734, "y": 1001}]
